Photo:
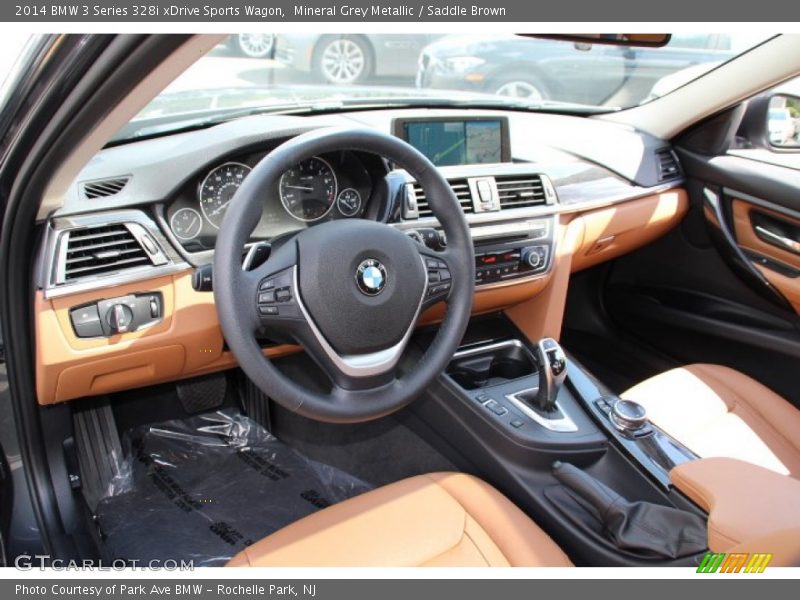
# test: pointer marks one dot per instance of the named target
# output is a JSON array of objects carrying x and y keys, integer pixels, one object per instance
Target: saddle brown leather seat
[
  {"x": 716, "y": 411},
  {"x": 441, "y": 519}
]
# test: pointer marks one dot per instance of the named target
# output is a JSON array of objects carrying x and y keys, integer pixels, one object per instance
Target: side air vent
[
  {"x": 667, "y": 162},
  {"x": 105, "y": 249},
  {"x": 520, "y": 191},
  {"x": 461, "y": 190},
  {"x": 103, "y": 188}
]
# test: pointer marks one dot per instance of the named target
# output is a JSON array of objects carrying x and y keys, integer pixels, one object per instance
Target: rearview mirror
[
  {"x": 783, "y": 121},
  {"x": 652, "y": 40}
]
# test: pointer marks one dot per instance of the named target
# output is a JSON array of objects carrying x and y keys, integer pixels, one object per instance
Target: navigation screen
[{"x": 457, "y": 142}]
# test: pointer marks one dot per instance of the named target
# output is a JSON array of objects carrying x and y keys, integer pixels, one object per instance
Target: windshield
[{"x": 316, "y": 72}]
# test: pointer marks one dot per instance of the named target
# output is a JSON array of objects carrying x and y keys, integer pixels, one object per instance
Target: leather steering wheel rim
[{"x": 352, "y": 398}]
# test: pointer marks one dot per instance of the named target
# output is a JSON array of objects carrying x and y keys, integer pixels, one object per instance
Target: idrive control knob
[{"x": 627, "y": 415}]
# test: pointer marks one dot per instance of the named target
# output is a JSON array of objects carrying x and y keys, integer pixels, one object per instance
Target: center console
[
  {"x": 578, "y": 459},
  {"x": 504, "y": 378}
]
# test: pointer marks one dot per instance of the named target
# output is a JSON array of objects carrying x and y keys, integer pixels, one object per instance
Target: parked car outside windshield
[{"x": 313, "y": 72}]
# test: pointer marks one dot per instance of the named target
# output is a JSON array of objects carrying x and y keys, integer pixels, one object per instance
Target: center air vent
[
  {"x": 460, "y": 189},
  {"x": 667, "y": 162},
  {"x": 517, "y": 191},
  {"x": 105, "y": 249},
  {"x": 103, "y": 188}
]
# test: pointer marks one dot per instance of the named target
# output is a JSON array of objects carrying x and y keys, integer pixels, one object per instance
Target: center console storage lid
[{"x": 744, "y": 501}]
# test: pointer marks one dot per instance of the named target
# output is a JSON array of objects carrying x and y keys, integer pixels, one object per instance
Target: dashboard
[
  {"x": 122, "y": 275},
  {"x": 511, "y": 172}
]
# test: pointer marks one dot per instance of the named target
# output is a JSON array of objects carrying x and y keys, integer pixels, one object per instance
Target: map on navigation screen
[{"x": 457, "y": 142}]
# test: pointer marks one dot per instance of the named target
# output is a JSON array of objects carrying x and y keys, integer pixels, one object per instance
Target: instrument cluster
[{"x": 318, "y": 189}]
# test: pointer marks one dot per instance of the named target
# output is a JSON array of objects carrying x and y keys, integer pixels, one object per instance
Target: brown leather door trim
[
  {"x": 744, "y": 215},
  {"x": 743, "y": 225}
]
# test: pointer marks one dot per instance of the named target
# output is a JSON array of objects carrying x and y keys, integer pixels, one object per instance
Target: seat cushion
[
  {"x": 441, "y": 519},
  {"x": 719, "y": 412}
]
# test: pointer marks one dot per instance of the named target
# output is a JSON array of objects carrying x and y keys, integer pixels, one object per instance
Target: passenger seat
[{"x": 717, "y": 411}]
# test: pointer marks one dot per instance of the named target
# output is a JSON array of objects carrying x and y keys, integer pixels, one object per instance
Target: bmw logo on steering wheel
[{"x": 371, "y": 277}]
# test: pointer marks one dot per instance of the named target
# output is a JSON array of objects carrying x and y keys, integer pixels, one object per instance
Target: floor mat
[{"x": 203, "y": 488}]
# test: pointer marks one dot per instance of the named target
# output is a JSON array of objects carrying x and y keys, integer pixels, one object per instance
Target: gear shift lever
[{"x": 552, "y": 372}]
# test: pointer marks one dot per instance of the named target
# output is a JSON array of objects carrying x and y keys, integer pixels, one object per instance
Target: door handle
[
  {"x": 777, "y": 239},
  {"x": 723, "y": 239}
]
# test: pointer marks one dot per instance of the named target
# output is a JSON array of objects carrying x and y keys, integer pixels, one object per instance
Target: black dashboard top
[{"x": 563, "y": 146}]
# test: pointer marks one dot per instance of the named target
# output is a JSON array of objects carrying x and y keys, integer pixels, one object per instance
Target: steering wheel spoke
[
  {"x": 276, "y": 297},
  {"x": 439, "y": 276}
]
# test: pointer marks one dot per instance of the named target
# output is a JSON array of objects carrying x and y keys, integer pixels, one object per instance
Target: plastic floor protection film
[{"x": 204, "y": 488}]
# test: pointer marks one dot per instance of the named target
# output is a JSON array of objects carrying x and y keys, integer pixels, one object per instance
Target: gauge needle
[
  {"x": 300, "y": 187},
  {"x": 219, "y": 209}
]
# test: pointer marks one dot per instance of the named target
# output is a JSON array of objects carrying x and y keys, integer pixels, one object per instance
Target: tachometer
[
  {"x": 218, "y": 189},
  {"x": 308, "y": 190}
]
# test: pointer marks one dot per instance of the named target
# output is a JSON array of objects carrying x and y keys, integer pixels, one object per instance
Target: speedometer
[
  {"x": 308, "y": 190},
  {"x": 218, "y": 188}
]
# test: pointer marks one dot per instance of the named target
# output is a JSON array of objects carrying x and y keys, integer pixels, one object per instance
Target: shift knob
[{"x": 552, "y": 372}]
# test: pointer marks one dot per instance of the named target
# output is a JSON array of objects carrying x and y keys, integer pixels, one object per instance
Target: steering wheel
[{"x": 348, "y": 291}]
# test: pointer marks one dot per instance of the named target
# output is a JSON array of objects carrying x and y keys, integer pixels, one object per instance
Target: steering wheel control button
[
  {"x": 439, "y": 278},
  {"x": 275, "y": 297},
  {"x": 371, "y": 277}
]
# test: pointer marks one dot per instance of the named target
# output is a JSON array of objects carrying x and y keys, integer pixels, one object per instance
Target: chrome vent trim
[
  {"x": 499, "y": 192},
  {"x": 667, "y": 164},
  {"x": 519, "y": 191},
  {"x": 100, "y": 250},
  {"x": 103, "y": 188},
  {"x": 93, "y": 229},
  {"x": 460, "y": 189}
]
